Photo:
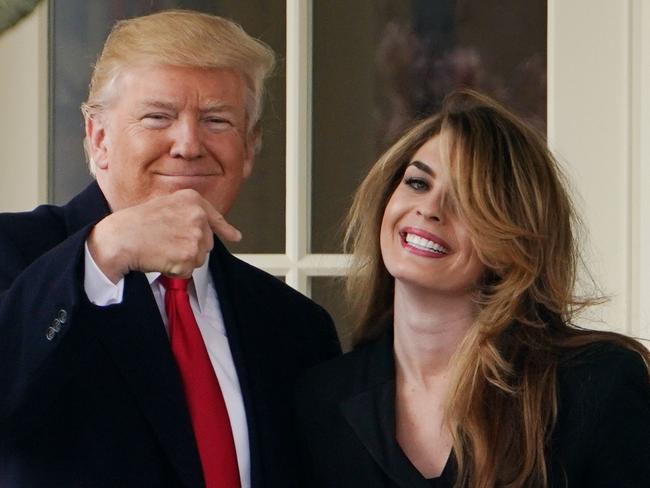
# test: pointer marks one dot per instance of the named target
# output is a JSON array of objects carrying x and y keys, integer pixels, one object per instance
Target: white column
[
  {"x": 23, "y": 102},
  {"x": 589, "y": 127}
]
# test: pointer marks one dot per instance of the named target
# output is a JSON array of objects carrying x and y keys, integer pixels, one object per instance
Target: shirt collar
[{"x": 199, "y": 280}]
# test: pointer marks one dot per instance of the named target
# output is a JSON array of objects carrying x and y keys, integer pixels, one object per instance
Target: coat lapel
[
  {"x": 88, "y": 207},
  {"x": 371, "y": 414},
  {"x": 254, "y": 336},
  {"x": 229, "y": 302},
  {"x": 134, "y": 336}
]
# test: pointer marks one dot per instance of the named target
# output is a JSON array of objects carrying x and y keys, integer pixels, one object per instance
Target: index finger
[{"x": 220, "y": 225}]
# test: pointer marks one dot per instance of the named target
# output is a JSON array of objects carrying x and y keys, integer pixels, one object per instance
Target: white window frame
[
  {"x": 616, "y": 31},
  {"x": 298, "y": 265}
]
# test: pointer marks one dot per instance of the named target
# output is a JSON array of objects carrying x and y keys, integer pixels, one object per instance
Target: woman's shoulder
[
  {"x": 603, "y": 418},
  {"x": 601, "y": 381},
  {"x": 351, "y": 373},
  {"x": 602, "y": 363}
]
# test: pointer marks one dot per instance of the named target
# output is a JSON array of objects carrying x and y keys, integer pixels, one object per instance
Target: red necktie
[{"x": 204, "y": 398}]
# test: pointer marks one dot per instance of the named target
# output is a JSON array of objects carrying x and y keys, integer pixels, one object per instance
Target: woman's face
[{"x": 423, "y": 241}]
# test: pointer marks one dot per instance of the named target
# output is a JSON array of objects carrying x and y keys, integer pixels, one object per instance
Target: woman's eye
[{"x": 418, "y": 184}]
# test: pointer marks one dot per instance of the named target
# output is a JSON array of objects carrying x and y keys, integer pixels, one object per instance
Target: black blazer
[
  {"x": 91, "y": 396},
  {"x": 346, "y": 420}
]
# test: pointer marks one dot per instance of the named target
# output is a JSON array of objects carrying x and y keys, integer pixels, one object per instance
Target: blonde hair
[
  {"x": 182, "y": 38},
  {"x": 512, "y": 195}
]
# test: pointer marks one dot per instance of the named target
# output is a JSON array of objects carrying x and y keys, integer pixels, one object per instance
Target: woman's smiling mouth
[{"x": 423, "y": 243}]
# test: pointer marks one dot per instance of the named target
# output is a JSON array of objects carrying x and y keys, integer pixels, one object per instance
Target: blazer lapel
[{"x": 371, "y": 414}]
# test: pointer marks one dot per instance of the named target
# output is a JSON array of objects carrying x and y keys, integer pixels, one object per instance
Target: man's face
[{"x": 169, "y": 128}]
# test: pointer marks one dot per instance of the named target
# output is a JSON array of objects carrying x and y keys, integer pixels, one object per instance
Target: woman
[{"x": 467, "y": 369}]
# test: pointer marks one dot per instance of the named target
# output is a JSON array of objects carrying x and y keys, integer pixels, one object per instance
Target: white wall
[
  {"x": 23, "y": 105},
  {"x": 599, "y": 96}
]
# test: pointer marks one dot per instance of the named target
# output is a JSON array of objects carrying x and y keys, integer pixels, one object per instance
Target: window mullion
[{"x": 298, "y": 187}]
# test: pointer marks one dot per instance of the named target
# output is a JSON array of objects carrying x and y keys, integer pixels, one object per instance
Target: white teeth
[{"x": 425, "y": 244}]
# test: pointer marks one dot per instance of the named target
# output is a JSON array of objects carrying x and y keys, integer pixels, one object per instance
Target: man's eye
[
  {"x": 155, "y": 116},
  {"x": 155, "y": 120},
  {"x": 218, "y": 122},
  {"x": 418, "y": 184}
]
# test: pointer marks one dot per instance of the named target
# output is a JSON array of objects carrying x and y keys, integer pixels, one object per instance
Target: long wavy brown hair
[{"x": 513, "y": 197}]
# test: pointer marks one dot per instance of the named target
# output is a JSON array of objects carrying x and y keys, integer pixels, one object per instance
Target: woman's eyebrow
[{"x": 422, "y": 167}]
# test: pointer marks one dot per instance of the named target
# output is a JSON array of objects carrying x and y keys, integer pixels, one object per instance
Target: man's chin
[
  {"x": 179, "y": 182},
  {"x": 221, "y": 197},
  {"x": 166, "y": 185}
]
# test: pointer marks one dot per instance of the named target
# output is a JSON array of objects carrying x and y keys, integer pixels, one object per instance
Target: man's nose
[{"x": 187, "y": 143}]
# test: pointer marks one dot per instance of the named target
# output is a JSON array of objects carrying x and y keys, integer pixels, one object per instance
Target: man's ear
[
  {"x": 96, "y": 140},
  {"x": 253, "y": 142}
]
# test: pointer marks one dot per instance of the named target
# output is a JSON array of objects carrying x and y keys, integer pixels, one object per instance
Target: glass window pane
[
  {"x": 382, "y": 64},
  {"x": 78, "y": 30},
  {"x": 328, "y": 291}
]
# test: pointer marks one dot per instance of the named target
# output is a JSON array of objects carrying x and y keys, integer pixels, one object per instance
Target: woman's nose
[
  {"x": 431, "y": 207},
  {"x": 429, "y": 214}
]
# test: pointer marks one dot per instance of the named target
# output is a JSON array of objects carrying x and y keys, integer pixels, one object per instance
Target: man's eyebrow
[
  {"x": 210, "y": 106},
  {"x": 216, "y": 106},
  {"x": 158, "y": 104},
  {"x": 423, "y": 167}
]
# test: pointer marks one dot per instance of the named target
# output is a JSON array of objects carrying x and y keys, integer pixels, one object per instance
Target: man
[{"x": 114, "y": 370}]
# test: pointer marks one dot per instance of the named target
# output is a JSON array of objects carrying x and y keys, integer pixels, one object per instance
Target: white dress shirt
[{"x": 205, "y": 304}]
